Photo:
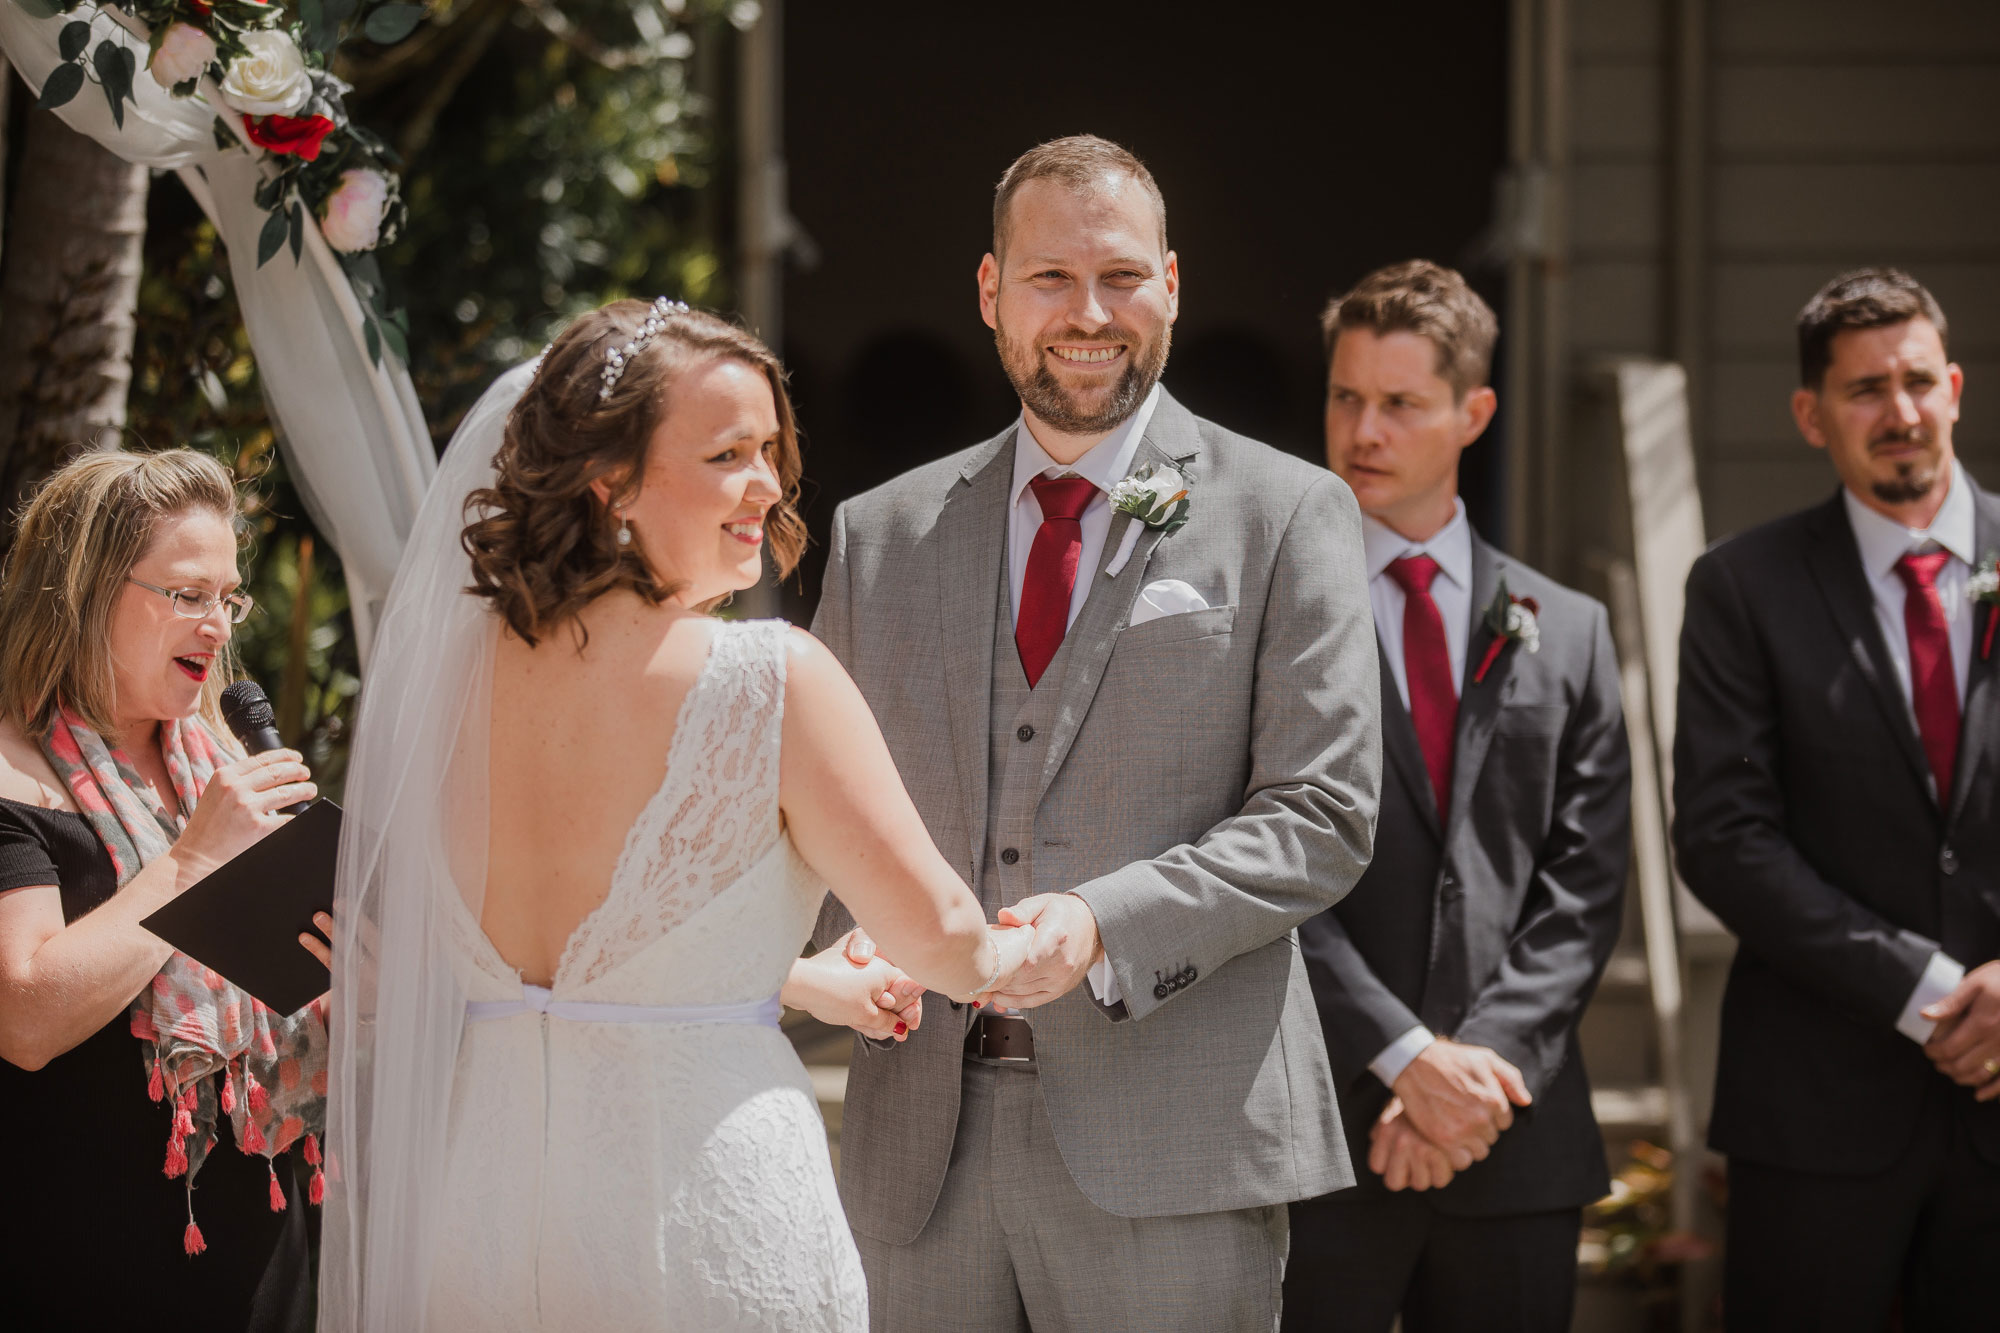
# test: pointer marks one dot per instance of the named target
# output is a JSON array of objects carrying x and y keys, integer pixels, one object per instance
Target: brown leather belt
[{"x": 1005, "y": 1038}]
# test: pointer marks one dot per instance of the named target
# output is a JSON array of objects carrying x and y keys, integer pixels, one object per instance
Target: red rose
[{"x": 300, "y": 136}]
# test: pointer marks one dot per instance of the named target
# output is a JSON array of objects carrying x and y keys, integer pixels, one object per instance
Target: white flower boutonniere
[
  {"x": 1156, "y": 496},
  {"x": 1512, "y": 620},
  {"x": 1983, "y": 589}
]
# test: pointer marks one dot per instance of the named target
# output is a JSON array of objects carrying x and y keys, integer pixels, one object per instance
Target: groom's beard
[{"x": 1028, "y": 370}]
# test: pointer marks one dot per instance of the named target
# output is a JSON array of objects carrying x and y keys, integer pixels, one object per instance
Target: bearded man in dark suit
[
  {"x": 1450, "y": 982},
  {"x": 1838, "y": 806}
]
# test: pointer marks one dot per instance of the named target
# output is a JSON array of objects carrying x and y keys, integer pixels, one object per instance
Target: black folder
[{"x": 245, "y": 918}]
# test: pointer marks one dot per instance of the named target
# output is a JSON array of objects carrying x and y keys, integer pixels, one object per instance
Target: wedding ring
[{"x": 1992, "y": 1067}]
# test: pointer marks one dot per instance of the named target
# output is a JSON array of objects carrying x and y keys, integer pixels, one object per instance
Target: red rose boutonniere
[
  {"x": 1512, "y": 620},
  {"x": 299, "y": 136},
  {"x": 1983, "y": 588}
]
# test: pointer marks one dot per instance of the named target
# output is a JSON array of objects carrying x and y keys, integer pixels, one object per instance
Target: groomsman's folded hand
[
  {"x": 1460, "y": 1097},
  {"x": 1404, "y": 1158},
  {"x": 1966, "y": 1043}
]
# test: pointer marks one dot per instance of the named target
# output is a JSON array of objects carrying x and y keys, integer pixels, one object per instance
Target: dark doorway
[{"x": 1298, "y": 146}]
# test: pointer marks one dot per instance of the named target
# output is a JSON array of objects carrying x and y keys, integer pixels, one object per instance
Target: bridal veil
[{"x": 415, "y": 833}]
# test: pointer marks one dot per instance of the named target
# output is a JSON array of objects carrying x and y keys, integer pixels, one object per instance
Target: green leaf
[
  {"x": 298, "y": 229},
  {"x": 338, "y": 12},
  {"x": 115, "y": 66},
  {"x": 390, "y": 24},
  {"x": 319, "y": 34},
  {"x": 272, "y": 238},
  {"x": 74, "y": 37},
  {"x": 394, "y": 336},
  {"x": 374, "y": 341},
  {"x": 65, "y": 81},
  {"x": 267, "y": 193},
  {"x": 42, "y": 9}
]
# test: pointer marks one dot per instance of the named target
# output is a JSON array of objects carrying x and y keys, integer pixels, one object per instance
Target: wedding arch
[{"x": 329, "y": 354}]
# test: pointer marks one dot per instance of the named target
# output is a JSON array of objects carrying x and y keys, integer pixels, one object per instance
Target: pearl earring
[{"x": 624, "y": 531}]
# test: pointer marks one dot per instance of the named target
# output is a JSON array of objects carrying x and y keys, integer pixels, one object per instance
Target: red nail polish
[
  {"x": 901, "y": 1028},
  {"x": 977, "y": 1003}
]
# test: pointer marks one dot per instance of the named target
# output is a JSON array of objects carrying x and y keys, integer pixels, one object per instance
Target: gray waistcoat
[{"x": 1014, "y": 765}]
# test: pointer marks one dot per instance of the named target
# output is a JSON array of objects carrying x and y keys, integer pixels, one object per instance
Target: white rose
[
  {"x": 270, "y": 79},
  {"x": 1522, "y": 625},
  {"x": 185, "y": 53},
  {"x": 351, "y": 219}
]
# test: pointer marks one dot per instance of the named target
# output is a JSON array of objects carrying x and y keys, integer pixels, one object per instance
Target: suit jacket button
[
  {"x": 1948, "y": 860},
  {"x": 1025, "y": 734},
  {"x": 1008, "y": 856},
  {"x": 1162, "y": 991},
  {"x": 956, "y": 1005},
  {"x": 1191, "y": 974}
]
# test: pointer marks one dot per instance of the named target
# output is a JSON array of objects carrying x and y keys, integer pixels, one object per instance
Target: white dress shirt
[
  {"x": 1108, "y": 463},
  {"x": 1451, "y": 547},
  {"x": 1882, "y": 542}
]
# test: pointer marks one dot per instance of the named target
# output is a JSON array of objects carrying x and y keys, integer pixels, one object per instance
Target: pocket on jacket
[
  {"x": 1530, "y": 720},
  {"x": 1173, "y": 629}
]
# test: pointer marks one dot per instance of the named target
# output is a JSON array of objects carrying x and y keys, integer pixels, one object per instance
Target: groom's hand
[
  {"x": 1460, "y": 1097},
  {"x": 1065, "y": 947}
]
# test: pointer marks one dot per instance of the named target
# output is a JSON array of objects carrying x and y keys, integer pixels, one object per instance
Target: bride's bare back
[{"x": 579, "y": 746}]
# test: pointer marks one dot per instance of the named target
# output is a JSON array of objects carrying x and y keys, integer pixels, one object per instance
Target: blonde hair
[{"x": 75, "y": 542}]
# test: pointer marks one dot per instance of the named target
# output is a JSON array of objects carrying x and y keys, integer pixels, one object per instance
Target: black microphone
[{"x": 248, "y": 713}]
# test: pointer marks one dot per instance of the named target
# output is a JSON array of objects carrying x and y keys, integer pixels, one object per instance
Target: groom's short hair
[
  {"x": 1431, "y": 301},
  {"x": 1078, "y": 163}
]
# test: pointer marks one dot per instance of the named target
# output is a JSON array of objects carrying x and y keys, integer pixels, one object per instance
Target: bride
[{"x": 589, "y": 828}]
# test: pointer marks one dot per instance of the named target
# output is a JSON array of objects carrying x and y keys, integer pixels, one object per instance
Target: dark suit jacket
[
  {"x": 1495, "y": 927},
  {"x": 1804, "y": 819}
]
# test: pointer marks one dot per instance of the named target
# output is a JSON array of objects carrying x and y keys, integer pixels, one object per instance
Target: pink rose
[
  {"x": 185, "y": 52},
  {"x": 351, "y": 219}
]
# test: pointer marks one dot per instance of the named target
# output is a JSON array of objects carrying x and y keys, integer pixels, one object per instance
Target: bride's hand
[
  {"x": 1014, "y": 944},
  {"x": 849, "y": 985}
]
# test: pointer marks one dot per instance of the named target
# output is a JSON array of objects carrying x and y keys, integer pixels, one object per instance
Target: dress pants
[
  {"x": 1014, "y": 1245},
  {"x": 1828, "y": 1253},
  {"x": 1357, "y": 1264}
]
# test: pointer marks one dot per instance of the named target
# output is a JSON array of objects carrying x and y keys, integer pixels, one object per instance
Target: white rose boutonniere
[
  {"x": 1156, "y": 496},
  {"x": 1983, "y": 590},
  {"x": 1512, "y": 620},
  {"x": 270, "y": 78}
]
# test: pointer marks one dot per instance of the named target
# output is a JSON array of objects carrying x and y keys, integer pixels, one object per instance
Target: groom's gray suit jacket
[{"x": 1207, "y": 781}]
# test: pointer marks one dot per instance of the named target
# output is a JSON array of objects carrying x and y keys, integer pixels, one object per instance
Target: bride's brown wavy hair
[{"x": 543, "y": 546}]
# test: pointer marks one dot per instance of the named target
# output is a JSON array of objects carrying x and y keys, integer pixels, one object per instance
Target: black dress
[{"x": 90, "y": 1226}]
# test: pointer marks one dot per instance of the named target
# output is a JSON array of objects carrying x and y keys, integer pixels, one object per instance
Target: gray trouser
[{"x": 1014, "y": 1245}]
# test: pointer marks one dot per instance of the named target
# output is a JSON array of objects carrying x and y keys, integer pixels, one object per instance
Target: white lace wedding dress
[{"x": 637, "y": 1147}]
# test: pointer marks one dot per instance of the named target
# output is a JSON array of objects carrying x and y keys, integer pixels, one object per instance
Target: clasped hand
[
  {"x": 1965, "y": 1045},
  {"x": 1450, "y": 1105}
]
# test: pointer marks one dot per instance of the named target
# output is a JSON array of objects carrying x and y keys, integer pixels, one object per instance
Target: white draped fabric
[{"x": 352, "y": 431}]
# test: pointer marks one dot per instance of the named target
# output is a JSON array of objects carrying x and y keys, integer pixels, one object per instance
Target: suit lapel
[
  {"x": 1399, "y": 744},
  {"x": 1478, "y": 704},
  {"x": 972, "y": 542},
  {"x": 1836, "y": 565},
  {"x": 1982, "y": 707},
  {"x": 1170, "y": 436}
]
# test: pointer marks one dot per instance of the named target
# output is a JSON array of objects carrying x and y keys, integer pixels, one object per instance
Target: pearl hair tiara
[{"x": 656, "y": 321}]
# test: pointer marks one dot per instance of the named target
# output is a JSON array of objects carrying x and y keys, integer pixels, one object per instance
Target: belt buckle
[{"x": 989, "y": 1021}]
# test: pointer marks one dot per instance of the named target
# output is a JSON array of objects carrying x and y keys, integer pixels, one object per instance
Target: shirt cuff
[
  {"x": 1104, "y": 982},
  {"x": 1941, "y": 977},
  {"x": 1396, "y": 1057}
]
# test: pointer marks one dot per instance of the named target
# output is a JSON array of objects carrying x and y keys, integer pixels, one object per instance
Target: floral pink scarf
[{"x": 194, "y": 1023}]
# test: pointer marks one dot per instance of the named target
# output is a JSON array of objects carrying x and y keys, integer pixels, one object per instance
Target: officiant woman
[{"x": 131, "y": 1071}]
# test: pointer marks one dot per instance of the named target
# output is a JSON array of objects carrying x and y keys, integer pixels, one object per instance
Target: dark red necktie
[
  {"x": 1051, "y": 576},
  {"x": 1427, "y": 672},
  {"x": 1933, "y": 682}
]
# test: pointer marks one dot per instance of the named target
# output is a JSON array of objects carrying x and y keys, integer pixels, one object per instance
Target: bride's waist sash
[{"x": 538, "y": 1000}]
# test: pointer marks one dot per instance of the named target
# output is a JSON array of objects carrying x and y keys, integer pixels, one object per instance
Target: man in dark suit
[
  {"x": 1838, "y": 806},
  {"x": 1450, "y": 982}
]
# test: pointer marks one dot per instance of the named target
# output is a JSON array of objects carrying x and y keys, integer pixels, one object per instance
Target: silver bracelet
[{"x": 993, "y": 980}]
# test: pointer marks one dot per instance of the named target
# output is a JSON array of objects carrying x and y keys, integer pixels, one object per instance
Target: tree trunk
[{"x": 69, "y": 292}]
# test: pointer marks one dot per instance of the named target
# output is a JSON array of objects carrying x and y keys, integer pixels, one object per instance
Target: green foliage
[{"x": 547, "y": 173}]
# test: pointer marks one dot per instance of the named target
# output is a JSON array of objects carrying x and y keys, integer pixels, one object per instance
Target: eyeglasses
[{"x": 197, "y": 604}]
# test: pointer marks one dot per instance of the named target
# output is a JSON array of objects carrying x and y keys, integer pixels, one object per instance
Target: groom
[{"x": 1159, "y": 742}]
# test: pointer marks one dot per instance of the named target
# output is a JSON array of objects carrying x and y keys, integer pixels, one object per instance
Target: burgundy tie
[
  {"x": 1427, "y": 671},
  {"x": 1933, "y": 682},
  {"x": 1051, "y": 576}
]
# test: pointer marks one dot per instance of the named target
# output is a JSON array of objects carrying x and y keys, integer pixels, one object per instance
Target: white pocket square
[{"x": 1166, "y": 597}]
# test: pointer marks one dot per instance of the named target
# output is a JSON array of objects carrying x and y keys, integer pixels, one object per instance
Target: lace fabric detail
[{"x": 715, "y": 814}]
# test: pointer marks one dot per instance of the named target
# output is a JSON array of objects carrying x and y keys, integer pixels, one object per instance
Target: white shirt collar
[
  {"x": 1450, "y": 546},
  {"x": 1883, "y": 541},
  {"x": 1108, "y": 462}
]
